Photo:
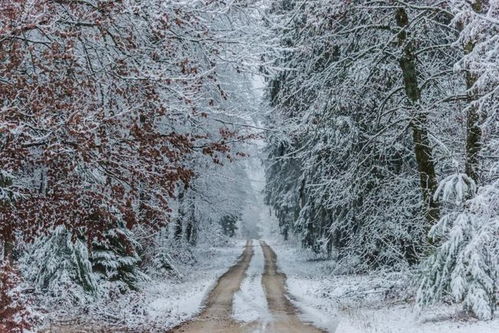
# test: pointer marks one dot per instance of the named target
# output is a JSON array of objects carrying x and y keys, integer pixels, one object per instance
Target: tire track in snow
[
  {"x": 285, "y": 315},
  {"x": 238, "y": 303},
  {"x": 250, "y": 303}
]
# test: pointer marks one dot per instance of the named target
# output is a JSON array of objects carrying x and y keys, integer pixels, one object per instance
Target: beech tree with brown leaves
[
  {"x": 95, "y": 98},
  {"x": 105, "y": 105}
]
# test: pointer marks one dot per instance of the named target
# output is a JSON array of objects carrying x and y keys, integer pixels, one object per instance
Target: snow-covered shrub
[
  {"x": 63, "y": 267},
  {"x": 162, "y": 264},
  {"x": 115, "y": 260},
  {"x": 59, "y": 266},
  {"x": 464, "y": 265}
]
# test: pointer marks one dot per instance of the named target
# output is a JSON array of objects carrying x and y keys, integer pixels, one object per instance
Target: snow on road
[
  {"x": 304, "y": 284},
  {"x": 249, "y": 303},
  {"x": 217, "y": 310},
  {"x": 286, "y": 317},
  {"x": 339, "y": 304},
  {"x": 251, "y": 312}
]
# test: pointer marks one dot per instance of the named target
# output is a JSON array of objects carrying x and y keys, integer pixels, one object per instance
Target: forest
[{"x": 145, "y": 143}]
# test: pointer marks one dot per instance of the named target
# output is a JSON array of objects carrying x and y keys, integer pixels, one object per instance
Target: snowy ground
[
  {"x": 364, "y": 303},
  {"x": 161, "y": 303},
  {"x": 171, "y": 302},
  {"x": 375, "y": 303}
]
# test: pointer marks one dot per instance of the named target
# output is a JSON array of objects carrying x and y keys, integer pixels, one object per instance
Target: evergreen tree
[
  {"x": 229, "y": 225},
  {"x": 464, "y": 267},
  {"x": 115, "y": 260},
  {"x": 59, "y": 266},
  {"x": 352, "y": 166}
]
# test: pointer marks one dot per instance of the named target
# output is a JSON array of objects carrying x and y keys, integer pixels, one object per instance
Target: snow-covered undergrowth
[
  {"x": 161, "y": 302},
  {"x": 170, "y": 302},
  {"x": 250, "y": 303},
  {"x": 400, "y": 318},
  {"x": 379, "y": 302}
]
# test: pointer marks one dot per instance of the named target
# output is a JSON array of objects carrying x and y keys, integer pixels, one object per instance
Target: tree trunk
[
  {"x": 473, "y": 129},
  {"x": 422, "y": 148},
  {"x": 8, "y": 246},
  {"x": 473, "y": 134},
  {"x": 191, "y": 228},
  {"x": 7, "y": 232},
  {"x": 178, "y": 227}
]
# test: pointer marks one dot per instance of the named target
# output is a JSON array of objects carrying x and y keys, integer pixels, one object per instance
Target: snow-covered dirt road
[
  {"x": 218, "y": 308},
  {"x": 285, "y": 315},
  {"x": 216, "y": 316}
]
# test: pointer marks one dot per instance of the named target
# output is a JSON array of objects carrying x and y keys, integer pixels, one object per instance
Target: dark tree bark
[
  {"x": 6, "y": 231},
  {"x": 8, "y": 245},
  {"x": 473, "y": 134},
  {"x": 191, "y": 228},
  {"x": 473, "y": 129},
  {"x": 422, "y": 148},
  {"x": 178, "y": 227}
]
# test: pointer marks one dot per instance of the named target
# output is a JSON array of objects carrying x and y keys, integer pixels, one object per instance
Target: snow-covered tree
[
  {"x": 59, "y": 267},
  {"x": 464, "y": 266},
  {"x": 110, "y": 110},
  {"x": 353, "y": 159}
]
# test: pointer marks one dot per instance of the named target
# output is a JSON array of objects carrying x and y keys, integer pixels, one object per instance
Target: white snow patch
[
  {"x": 304, "y": 283},
  {"x": 369, "y": 303},
  {"x": 402, "y": 319},
  {"x": 250, "y": 303},
  {"x": 172, "y": 302}
]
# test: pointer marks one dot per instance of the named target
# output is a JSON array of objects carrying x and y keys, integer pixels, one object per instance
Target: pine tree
[
  {"x": 229, "y": 225},
  {"x": 464, "y": 266},
  {"x": 115, "y": 260},
  {"x": 350, "y": 139},
  {"x": 59, "y": 267}
]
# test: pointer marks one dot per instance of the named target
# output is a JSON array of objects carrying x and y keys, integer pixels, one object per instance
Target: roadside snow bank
[
  {"x": 171, "y": 302},
  {"x": 305, "y": 282},
  {"x": 161, "y": 302},
  {"x": 373, "y": 303},
  {"x": 401, "y": 319}
]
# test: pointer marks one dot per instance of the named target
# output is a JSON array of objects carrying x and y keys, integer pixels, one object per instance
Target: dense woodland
[
  {"x": 124, "y": 127},
  {"x": 116, "y": 141},
  {"x": 389, "y": 155}
]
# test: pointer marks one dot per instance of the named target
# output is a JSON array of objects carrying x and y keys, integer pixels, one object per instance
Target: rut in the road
[{"x": 283, "y": 311}]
